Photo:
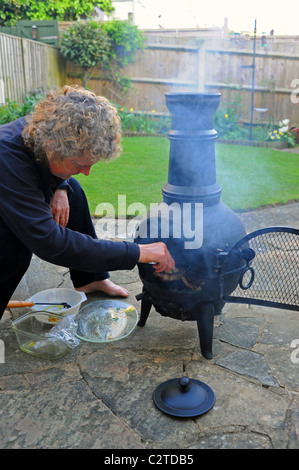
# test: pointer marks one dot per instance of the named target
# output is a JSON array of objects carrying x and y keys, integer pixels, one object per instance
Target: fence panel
[
  {"x": 213, "y": 65},
  {"x": 176, "y": 64},
  {"x": 228, "y": 71},
  {"x": 26, "y": 65},
  {"x": 158, "y": 69},
  {"x": 11, "y": 68}
]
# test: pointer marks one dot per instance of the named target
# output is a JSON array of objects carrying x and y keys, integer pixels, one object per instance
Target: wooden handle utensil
[
  {"x": 19, "y": 303},
  {"x": 29, "y": 303}
]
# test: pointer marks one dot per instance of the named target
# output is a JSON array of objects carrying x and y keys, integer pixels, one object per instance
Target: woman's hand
[
  {"x": 60, "y": 208},
  {"x": 158, "y": 254}
]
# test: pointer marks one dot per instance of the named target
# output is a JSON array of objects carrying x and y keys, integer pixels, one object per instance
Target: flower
[
  {"x": 131, "y": 109},
  {"x": 282, "y": 132},
  {"x": 226, "y": 116},
  {"x": 153, "y": 111}
]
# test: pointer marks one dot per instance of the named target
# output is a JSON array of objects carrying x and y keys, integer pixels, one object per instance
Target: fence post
[
  {"x": 2, "y": 93},
  {"x": 25, "y": 64},
  {"x": 201, "y": 61}
]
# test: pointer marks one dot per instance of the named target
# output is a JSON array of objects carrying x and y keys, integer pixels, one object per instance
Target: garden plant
[
  {"x": 110, "y": 45},
  {"x": 12, "y": 11}
]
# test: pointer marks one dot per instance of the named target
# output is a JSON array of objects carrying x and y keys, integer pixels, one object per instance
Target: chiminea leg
[
  {"x": 146, "y": 306},
  {"x": 205, "y": 325}
]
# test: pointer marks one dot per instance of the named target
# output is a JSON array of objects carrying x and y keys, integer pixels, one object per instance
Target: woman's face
[{"x": 70, "y": 166}]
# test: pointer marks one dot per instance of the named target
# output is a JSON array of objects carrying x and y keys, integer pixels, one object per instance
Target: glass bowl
[
  {"x": 33, "y": 332},
  {"x": 105, "y": 321}
]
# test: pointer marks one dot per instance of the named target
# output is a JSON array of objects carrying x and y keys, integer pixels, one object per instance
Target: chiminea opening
[{"x": 195, "y": 225}]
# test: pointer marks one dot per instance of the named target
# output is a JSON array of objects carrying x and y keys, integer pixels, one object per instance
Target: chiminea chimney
[{"x": 192, "y": 172}]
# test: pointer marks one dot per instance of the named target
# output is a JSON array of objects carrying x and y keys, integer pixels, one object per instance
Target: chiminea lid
[{"x": 184, "y": 397}]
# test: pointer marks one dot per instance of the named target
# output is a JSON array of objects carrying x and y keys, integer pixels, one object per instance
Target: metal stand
[
  {"x": 205, "y": 325},
  {"x": 146, "y": 306},
  {"x": 203, "y": 314}
]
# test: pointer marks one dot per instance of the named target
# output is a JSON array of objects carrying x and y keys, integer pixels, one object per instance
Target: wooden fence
[
  {"x": 229, "y": 70},
  {"x": 162, "y": 67},
  {"x": 169, "y": 63},
  {"x": 209, "y": 64},
  {"x": 27, "y": 65}
]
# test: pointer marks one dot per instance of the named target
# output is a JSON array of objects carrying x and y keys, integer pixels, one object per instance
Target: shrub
[
  {"x": 110, "y": 45},
  {"x": 282, "y": 133},
  {"x": 12, "y": 110},
  {"x": 87, "y": 45},
  {"x": 142, "y": 122},
  {"x": 228, "y": 116},
  {"x": 126, "y": 40},
  {"x": 63, "y": 10}
]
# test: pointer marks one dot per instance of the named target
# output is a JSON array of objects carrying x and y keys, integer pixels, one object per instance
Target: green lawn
[
  {"x": 255, "y": 176},
  {"x": 250, "y": 176}
]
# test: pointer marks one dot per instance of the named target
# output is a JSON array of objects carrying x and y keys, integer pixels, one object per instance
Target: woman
[{"x": 43, "y": 210}]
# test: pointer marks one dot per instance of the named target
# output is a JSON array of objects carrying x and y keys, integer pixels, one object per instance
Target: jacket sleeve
[{"x": 24, "y": 211}]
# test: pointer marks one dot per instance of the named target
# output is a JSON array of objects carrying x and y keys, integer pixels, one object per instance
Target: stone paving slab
[{"x": 100, "y": 396}]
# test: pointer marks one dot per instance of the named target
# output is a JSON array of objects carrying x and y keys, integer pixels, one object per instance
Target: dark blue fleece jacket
[{"x": 26, "y": 188}]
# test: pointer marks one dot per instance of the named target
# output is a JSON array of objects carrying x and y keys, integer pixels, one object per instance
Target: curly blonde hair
[{"x": 71, "y": 121}]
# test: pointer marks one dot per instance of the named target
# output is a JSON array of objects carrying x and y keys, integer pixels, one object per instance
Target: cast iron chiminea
[
  {"x": 216, "y": 262},
  {"x": 191, "y": 208}
]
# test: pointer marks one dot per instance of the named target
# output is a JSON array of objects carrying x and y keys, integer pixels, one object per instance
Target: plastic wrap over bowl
[{"x": 33, "y": 332}]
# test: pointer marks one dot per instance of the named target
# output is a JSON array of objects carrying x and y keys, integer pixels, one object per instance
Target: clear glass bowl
[
  {"x": 105, "y": 321},
  {"x": 33, "y": 332}
]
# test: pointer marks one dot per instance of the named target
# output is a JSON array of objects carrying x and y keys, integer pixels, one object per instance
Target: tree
[
  {"x": 63, "y": 10},
  {"x": 86, "y": 44},
  {"x": 110, "y": 45},
  {"x": 126, "y": 39},
  {"x": 12, "y": 10}
]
